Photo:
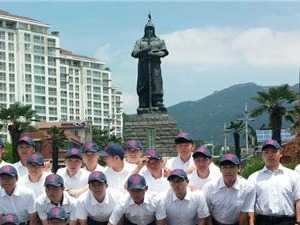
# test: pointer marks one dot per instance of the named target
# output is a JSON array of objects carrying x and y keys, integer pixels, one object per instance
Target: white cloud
[
  {"x": 130, "y": 102},
  {"x": 215, "y": 47}
]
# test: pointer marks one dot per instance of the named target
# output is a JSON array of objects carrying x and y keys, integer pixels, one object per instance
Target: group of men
[{"x": 137, "y": 187}]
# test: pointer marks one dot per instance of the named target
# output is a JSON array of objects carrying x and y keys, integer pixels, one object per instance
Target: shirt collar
[
  {"x": 146, "y": 200},
  {"x": 186, "y": 197},
  {"x": 16, "y": 192},
  {"x": 94, "y": 200},
  {"x": 279, "y": 170},
  {"x": 236, "y": 184}
]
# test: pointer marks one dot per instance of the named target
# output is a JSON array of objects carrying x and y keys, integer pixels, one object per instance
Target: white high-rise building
[{"x": 60, "y": 85}]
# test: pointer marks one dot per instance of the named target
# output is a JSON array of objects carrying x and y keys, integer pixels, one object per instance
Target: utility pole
[
  {"x": 225, "y": 137},
  {"x": 246, "y": 127}
]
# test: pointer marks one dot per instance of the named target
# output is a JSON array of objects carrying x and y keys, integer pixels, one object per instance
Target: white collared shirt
[
  {"x": 177, "y": 163},
  {"x": 98, "y": 168},
  {"x": 226, "y": 203},
  {"x": 43, "y": 205},
  {"x": 117, "y": 180},
  {"x": 143, "y": 214},
  {"x": 186, "y": 211},
  {"x": 157, "y": 185},
  {"x": 20, "y": 202},
  {"x": 297, "y": 169},
  {"x": 21, "y": 169},
  {"x": 79, "y": 180},
  {"x": 276, "y": 192},
  {"x": 197, "y": 182},
  {"x": 88, "y": 206},
  {"x": 37, "y": 188}
]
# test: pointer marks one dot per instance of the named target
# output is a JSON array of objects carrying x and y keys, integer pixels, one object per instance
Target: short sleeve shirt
[
  {"x": 157, "y": 185},
  {"x": 79, "y": 180},
  {"x": 37, "y": 188},
  {"x": 177, "y": 163},
  {"x": 21, "y": 169},
  {"x": 197, "y": 182}
]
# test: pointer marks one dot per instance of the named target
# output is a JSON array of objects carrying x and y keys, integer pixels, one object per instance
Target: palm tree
[
  {"x": 275, "y": 101},
  {"x": 58, "y": 138},
  {"x": 236, "y": 127},
  {"x": 17, "y": 118}
]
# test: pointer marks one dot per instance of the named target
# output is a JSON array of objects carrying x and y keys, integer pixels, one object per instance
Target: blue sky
[{"x": 212, "y": 45}]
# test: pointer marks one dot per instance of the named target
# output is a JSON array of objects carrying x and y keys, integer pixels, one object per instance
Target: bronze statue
[{"x": 149, "y": 49}]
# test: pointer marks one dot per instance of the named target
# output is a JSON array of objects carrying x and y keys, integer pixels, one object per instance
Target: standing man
[
  {"x": 91, "y": 156},
  {"x": 57, "y": 216},
  {"x": 203, "y": 172},
  {"x": 230, "y": 198},
  {"x": 56, "y": 196},
  {"x": 15, "y": 198},
  {"x": 134, "y": 151},
  {"x": 277, "y": 189},
  {"x": 184, "y": 207},
  {"x": 96, "y": 205},
  {"x": 140, "y": 207},
  {"x": 25, "y": 148},
  {"x": 2, "y": 162}
]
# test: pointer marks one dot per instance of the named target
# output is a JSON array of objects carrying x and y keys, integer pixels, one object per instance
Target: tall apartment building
[{"x": 58, "y": 84}]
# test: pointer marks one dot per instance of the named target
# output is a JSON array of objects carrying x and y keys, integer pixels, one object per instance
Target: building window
[
  {"x": 2, "y": 97},
  {"x": 28, "y": 98},
  {"x": 27, "y": 58},
  {"x": 39, "y": 89},
  {"x": 2, "y": 87},
  {"x": 40, "y": 100},
  {"x": 2, "y": 56},
  {"x": 51, "y": 42},
  {"x": 28, "y": 68},
  {"x": 38, "y": 39},
  {"x": 2, "y": 45},
  {"x": 2, "y": 76},
  {"x": 64, "y": 109},
  {"x": 63, "y": 94},
  {"x": 38, "y": 49},
  {"x": 39, "y": 70},
  {"x": 11, "y": 87},
  {"x": 52, "y": 71},
  {"x": 28, "y": 77},
  {"x": 2, "y": 35},
  {"x": 27, "y": 47},
  {"x": 2, "y": 66},
  {"x": 11, "y": 47},
  {"x": 28, "y": 87},
  {"x": 11, "y": 36},
  {"x": 27, "y": 37},
  {"x": 52, "y": 101},
  {"x": 51, "y": 51},
  {"x": 40, "y": 109},
  {"x": 11, "y": 77},
  {"x": 52, "y": 91},
  {"x": 52, "y": 111},
  {"x": 39, "y": 59},
  {"x": 11, "y": 57},
  {"x": 52, "y": 81},
  {"x": 11, "y": 67},
  {"x": 51, "y": 61},
  {"x": 39, "y": 79}
]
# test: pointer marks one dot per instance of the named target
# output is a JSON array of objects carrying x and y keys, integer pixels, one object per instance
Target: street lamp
[{"x": 246, "y": 119}]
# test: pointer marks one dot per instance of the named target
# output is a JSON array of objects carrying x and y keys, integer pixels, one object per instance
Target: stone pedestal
[{"x": 156, "y": 130}]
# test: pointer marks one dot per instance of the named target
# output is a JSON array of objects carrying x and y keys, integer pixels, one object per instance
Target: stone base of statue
[{"x": 156, "y": 130}]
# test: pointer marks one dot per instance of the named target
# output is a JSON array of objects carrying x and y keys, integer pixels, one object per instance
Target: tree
[
  {"x": 103, "y": 137},
  {"x": 17, "y": 118},
  {"x": 236, "y": 127},
  {"x": 58, "y": 138},
  {"x": 275, "y": 101}
]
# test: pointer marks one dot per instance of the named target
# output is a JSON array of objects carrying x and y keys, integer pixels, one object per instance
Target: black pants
[
  {"x": 94, "y": 222},
  {"x": 218, "y": 223},
  {"x": 127, "y": 222},
  {"x": 274, "y": 220}
]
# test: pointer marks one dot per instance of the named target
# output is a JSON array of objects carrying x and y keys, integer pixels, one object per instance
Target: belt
[
  {"x": 274, "y": 219},
  {"x": 127, "y": 222},
  {"x": 95, "y": 222},
  {"x": 215, "y": 222}
]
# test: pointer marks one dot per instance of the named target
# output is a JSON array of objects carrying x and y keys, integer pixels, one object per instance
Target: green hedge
[
  {"x": 8, "y": 156},
  {"x": 250, "y": 166}
]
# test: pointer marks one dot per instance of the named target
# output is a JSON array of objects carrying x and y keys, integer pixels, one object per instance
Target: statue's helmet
[{"x": 149, "y": 25}]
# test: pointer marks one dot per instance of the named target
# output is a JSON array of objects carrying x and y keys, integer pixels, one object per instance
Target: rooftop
[{"x": 75, "y": 56}]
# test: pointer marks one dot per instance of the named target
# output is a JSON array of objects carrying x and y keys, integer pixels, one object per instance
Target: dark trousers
[
  {"x": 127, "y": 222},
  {"x": 218, "y": 223},
  {"x": 274, "y": 220},
  {"x": 94, "y": 222}
]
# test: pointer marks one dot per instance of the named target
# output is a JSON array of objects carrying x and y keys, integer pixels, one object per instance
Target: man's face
[
  {"x": 57, "y": 222},
  {"x": 111, "y": 160},
  {"x": 35, "y": 170},
  {"x": 154, "y": 164},
  {"x": 179, "y": 185},
  {"x": 98, "y": 188},
  {"x": 138, "y": 195},
  {"x": 271, "y": 156},
  {"x": 149, "y": 32},
  {"x": 73, "y": 165},
  {"x": 202, "y": 162},
  {"x": 133, "y": 155},
  {"x": 24, "y": 150},
  {"x": 54, "y": 193},
  {"x": 229, "y": 171},
  {"x": 90, "y": 158},
  {"x": 184, "y": 149},
  {"x": 8, "y": 183}
]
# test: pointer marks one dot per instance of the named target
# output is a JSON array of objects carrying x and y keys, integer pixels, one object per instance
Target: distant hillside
[{"x": 205, "y": 118}]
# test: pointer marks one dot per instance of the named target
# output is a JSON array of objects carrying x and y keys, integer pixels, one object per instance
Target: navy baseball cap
[
  {"x": 91, "y": 147},
  {"x": 133, "y": 144},
  {"x": 177, "y": 173},
  {"x": 57, "y": 213},
  {"x": 73, "y": 153},
  {"x": 183, "y": 137},
  {"x": 9, "y": 218},
  {"x": 1, "y": 143},
  {"x": 97, "y": 176},
  {"x": 153, "y": 154},
  {"x": 8, "y": 170},
  {"x": 113, "y": 149},
  {"x": 27, "y": 140},
  {"x": 136, "y": 181},
  {"x": 229, "y": 157},
  {"x": 54, "y": 180},
  {"x": 271, "y": 143},
  {"x": 36, "y": 159},
  {"x": 202, "y": 150}
]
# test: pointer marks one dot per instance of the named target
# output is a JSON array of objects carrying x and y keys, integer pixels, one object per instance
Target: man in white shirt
[
  {"x": 277, "y": 189},
  {"x": 25, "y": 148},
  {"x": 134, "y": 151},
  {"x": 36, "y": 176},
  {"x": 57, "y": 216},
  {"x": 230, "y": 198},
  {"x": 56, "y": 196},
  {"x": 2, "y": 162},
  {"x": 140, "y": 207},
  {"x": 91, "y": 156},
  {"x": 203, "y": 173},
  {"x": 297, "y": 169},
  {"x": 184, "y": 207},
  {"x": 118, "y": 170},
  {"x": 96, "y": 205},
  {"x": 15, "y": 198},
  {"x": 184, "y": 147},
  {"x": 75, "y": 178}
]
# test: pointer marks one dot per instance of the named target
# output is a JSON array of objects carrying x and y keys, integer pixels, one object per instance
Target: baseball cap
[
  {"x": 91, "y": 147},
  {"x": 136, "y": 181},
  {"x": 230, "y": 157},
  {"x": 153, "y": 154},
  {"x": 177, "y": 173},
  {"x": 9, "y": 218},
  {"x": 113, "y": 149},
  {"x": 36, "y": 158},
  {"x": 134, "y": 144},
  {"x": 202, "y": 150},
  {"x": 73, "y": 153},
  {"x": 27, "y": 140},
  {"x": 54, "y": 180},
  {"x": 8, "y": 170},
  {"x": 97, "y": 176},
  {"x": 270, "y": 143},
  {"x": 183, "y": 137},
  {"x": 57, "y": 213}
]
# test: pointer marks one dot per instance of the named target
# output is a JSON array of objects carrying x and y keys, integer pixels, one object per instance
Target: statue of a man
[{"x": 149, "y": 49}]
